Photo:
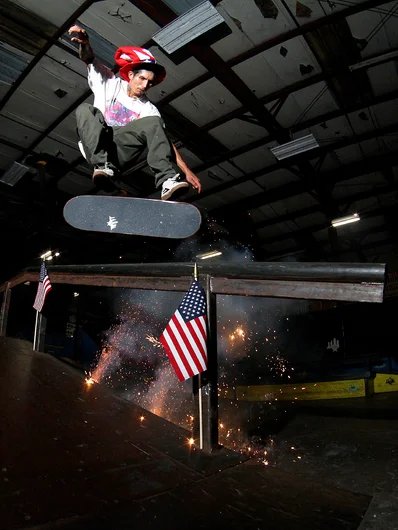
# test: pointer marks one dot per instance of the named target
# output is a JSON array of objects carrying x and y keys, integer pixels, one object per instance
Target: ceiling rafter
[
  {"x": 342, "y": 201},
  {"x": 60, "y": 31},
  {"x": 291, "y": 89},
  {"x": 310, "y": 155},
  {"x": 346, "y": 172},
  {"x": 10, "y": 17},
  {"x": 276, "y": 41},
  {"x": 172, "y": 117},
  {"x": 301, "y": 232},
  {"x": 356, "y": 245},
  {"x": 163, "y": 15}
]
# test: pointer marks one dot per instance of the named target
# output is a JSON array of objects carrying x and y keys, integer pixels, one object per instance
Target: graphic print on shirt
[{"x": 118, "y": 114}]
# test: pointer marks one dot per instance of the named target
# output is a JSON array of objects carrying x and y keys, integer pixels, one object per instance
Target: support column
[
  {"x": 4, "y": 310},
  {"x": 209, "y": 380}
]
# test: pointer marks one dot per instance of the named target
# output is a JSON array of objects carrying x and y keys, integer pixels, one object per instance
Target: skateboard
[{"x": 133, "y": 216}]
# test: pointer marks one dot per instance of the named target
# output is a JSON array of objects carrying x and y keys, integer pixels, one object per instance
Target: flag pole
[
  {"x": 195, "y": 275},
  {"x": 35, "y": 334}
]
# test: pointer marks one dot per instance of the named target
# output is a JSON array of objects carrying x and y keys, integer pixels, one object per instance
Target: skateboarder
[{"x": 122, "y": 123}]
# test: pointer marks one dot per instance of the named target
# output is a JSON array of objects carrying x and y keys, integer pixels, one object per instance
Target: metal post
[
  {"x": 210, "y": 389},
  {"x": 40, "y": 332},
  {"x": 4, "y": 310},
  {"x": 205, "y": 386}
]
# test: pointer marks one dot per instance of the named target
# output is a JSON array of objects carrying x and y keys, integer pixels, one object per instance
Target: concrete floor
[
  {"x": 359, "y": 454},
  {"x": 76, "y": 457}
]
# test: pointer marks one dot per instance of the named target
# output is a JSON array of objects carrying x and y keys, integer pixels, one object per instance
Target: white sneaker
[
  {"x": 103, "y": 177},
  {"x": 103, "y": 171},
  {"x": 171, "y": 185}
]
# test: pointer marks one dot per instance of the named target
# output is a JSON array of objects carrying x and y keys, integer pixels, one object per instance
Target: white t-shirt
[{"x": 110, "y": 97}]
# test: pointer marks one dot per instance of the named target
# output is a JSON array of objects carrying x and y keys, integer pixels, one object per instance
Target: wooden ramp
[{"x": 73, "y": 456}]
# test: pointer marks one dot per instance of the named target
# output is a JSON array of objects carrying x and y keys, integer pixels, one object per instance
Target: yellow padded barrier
[
  {"x": 347, "y": 388},
  {"x": 385, "y": 383}
]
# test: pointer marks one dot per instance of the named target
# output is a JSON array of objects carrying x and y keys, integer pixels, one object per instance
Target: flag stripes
[
  {"x": 184, "y": 338},
  {"x": 43, "y": 288}
]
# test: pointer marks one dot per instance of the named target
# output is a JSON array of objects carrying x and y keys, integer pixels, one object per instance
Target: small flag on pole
[
  {"x": 184, "y": 337},
  {"x": 42, "y": 289}
]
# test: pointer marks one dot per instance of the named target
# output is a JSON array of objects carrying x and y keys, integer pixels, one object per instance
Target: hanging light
[
  {"x": 295, "y": 147},
  {"x": 346, "y": 220}
]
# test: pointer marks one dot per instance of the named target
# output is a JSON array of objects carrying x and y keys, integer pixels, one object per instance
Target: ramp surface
[{"x": 73, "y": 456}]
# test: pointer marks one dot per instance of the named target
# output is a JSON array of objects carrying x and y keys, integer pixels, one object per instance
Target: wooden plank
[{"x": 365, "y": 292}]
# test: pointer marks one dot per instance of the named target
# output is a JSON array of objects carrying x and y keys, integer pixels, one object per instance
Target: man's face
[{"x": 140, "y": 82}]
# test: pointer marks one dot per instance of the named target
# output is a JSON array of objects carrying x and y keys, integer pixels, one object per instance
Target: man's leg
[
  {"x": 148, "y": 133},
  {"x": 98, "y": 146},
  {"x": 94, "y": 134}
]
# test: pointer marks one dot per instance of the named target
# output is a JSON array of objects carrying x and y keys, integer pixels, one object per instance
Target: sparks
[{"x": 153, "y": 340}]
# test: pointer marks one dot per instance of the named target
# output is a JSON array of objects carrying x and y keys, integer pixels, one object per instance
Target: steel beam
[
  {"x": 296, "y": 187},
  {"x": 179, "y": 275},
  {"x": 276, "y": 41},
  {"x": 317, "y": 228},
  {"x": 314, "y": 209},
  {"x": 61, "y": 30},
  {"x": 302, "y": 290},
  {"x": 162, "y": 15}
]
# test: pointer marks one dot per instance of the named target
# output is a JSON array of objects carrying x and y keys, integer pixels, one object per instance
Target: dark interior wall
[{"x": 314, "y": 339}]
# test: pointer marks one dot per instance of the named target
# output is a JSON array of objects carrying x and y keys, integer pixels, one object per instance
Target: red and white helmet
[{"x": 129, "y": 57}]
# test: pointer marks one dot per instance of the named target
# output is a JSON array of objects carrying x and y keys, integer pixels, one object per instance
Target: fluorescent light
[
  {"x": 295, "y": 147},
  {"x": 211, "y": 254},
  {"x": 187, "y": 27},
  {"x": 346, "y": 220},
  {"x": 14, "y": 174},
  {"x": 49, "y": 255},
  {"x": 380, "y": 59}
]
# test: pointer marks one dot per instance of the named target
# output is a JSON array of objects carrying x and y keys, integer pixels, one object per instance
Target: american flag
[
  {"x": 42, "y": 289},
  {"x": 184, "y": 338}
]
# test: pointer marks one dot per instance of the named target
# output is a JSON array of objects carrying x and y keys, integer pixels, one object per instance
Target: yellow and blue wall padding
[{"x": 337, "y": 389}]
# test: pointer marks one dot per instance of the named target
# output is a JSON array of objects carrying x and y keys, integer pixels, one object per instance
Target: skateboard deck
[{"x": 133, "y": 216}]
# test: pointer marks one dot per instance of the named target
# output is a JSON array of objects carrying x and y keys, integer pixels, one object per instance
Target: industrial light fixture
[
  {"x": 187, "y": 27},
  {"x": 346, "y": 220},
  {"x": 295, "y": 147},
  {"x": 208, "y": 255},
  {"x": 374, "y": 61},
  {"x": 49, "y": 255},
  {"x": 14, "y": 174}
]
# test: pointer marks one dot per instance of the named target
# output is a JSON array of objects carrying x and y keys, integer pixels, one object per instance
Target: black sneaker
[{"x": 171, "y": 185}]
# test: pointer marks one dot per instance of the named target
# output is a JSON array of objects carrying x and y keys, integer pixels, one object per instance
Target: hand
[
  {"x": 193, "y": 180},
  {"x": 81, "y": 38}
]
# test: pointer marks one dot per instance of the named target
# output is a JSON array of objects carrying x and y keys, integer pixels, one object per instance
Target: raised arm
[
  {"x": 190, "y": 176},
  {"x": 86, "y": 52}
]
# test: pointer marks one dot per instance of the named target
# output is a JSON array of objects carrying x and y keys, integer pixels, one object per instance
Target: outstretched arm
[
  {"x": 190, "y": 176},
  {"x": 86, "y": 52}
]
